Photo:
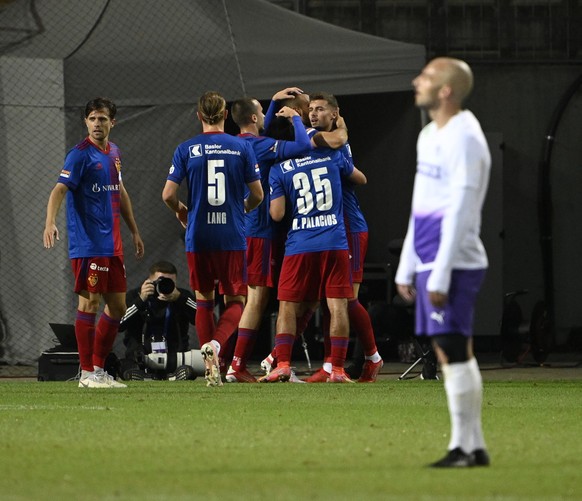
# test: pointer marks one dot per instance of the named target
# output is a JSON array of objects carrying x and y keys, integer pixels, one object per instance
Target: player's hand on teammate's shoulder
[
  {"x": 340, "y": 123},
  {"x": 287, "y": 112}
]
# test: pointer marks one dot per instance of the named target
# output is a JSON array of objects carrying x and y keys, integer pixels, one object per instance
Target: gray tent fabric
[
  {"x": 316, "y": 55},
  {"x": 153, "y": 59},
  {"x": 172, "y": 50}
]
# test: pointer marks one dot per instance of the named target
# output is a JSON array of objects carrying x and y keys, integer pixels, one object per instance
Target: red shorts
[
  {"x": 315, "y": 275},
  {"x": 259, "y": 261},
  {"x": 358, "y": 244},
  {"x": 99, "y": 275},
  {"x": 229, "y": 268}
]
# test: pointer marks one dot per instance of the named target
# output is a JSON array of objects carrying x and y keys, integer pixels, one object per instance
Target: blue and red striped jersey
[{"x": 93, "y": 177}]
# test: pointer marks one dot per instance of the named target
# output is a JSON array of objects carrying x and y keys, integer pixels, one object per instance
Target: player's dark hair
[
  {"x": 242, "y": 110},
  {"x": 163, "y": 267},
  {"x": 280, "y": 128},
  {"x": 324, "y": 96},
  {"x": 291, "y": 102},
  {"x": 101, "y": 103},
  {"x": 211, "y": 106}
]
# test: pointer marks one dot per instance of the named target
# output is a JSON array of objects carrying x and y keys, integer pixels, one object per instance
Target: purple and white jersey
[
  {"x": 449, "y": 190},
  {"x": 313, "y": 187},
  {"x": 217, "y": 168},
  {"x": 93, "y": 178}
]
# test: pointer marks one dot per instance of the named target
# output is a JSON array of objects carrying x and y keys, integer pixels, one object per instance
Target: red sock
[
  {"x": 244, "y": 345},
  {"x": 361, "y": 323},
  {"x": 284, "y": 347},
  {"x": 339, "y": 350},
  {"x": 228, "y": 322},
  {"x": 105, "y": 334},
  {"x": 85, "y": 334},
  {"x": 205, "y": 326},
  {"x": 226, "y": 354}
]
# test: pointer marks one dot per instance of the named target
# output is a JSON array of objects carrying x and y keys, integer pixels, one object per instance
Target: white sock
[
  {"x": 327, "y": 367},
  {"x": 477, "y": 430},
  {"x": 374, "y": 358},
  {"x": 460, "y": 389},
  {"x": 97, "y": 369},
  {"x": 85, "y": 374},
  {"x": 216, "y": 345}
]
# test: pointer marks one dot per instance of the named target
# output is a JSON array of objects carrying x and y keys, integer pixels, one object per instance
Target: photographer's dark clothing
[{"x": 155, "y": 320}]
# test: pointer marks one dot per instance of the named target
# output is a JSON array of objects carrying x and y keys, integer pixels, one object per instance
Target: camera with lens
[{"x": 164, "y": 285}]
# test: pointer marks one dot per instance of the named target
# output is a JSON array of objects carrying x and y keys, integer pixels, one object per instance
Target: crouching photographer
[{"x": 156, "y": 326}]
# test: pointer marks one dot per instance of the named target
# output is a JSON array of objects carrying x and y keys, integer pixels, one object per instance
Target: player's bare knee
[{"x": 89, "y": 304}]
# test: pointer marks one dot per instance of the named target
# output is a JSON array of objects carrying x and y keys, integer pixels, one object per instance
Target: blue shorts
[{"x": 457, "y": 315}]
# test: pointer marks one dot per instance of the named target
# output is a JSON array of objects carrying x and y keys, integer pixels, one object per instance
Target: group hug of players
[{"x": 285, "y": 182}]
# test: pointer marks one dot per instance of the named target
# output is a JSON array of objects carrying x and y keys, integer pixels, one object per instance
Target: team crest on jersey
[
  {"x": 118, "y": 164},
  {"x": 195, "y": 150},
  {"x": 92, "y": 280},
  {"x": 287, "y": 166}
]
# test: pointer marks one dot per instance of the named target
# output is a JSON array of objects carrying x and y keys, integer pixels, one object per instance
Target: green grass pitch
[{"x": 182, "y": 440}]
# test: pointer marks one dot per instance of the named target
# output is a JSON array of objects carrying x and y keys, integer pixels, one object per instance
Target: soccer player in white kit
[{"x": 443, "y": 261}]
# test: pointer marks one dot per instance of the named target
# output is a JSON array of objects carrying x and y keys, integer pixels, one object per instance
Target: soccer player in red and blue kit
[
  {"x": 96, "y": 197},
  {"x": 323, "y": 112},
  {"x": 218, "y": 168},
  {"x": 247, "y": 113},
  {"x": 296, "y": 99},
  {"x": 316, "y": 263}
]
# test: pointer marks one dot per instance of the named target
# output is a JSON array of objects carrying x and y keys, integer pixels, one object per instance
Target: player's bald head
[{"x": 456, "y": 74}]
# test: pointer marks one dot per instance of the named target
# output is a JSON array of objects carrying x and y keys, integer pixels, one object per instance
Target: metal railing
[{"x": 506, "y": 30}]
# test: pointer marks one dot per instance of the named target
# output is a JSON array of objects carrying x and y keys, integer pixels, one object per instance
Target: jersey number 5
[
  {"x": 322, "y": 188},
  {"x": 216, "y": 184}
]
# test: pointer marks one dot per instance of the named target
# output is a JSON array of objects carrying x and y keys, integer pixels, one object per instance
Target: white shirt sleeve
[{"x": 462, "y": 216}]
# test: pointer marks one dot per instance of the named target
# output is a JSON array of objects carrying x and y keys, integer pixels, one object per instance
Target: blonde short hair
[{"x": 211, "y": 107}]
